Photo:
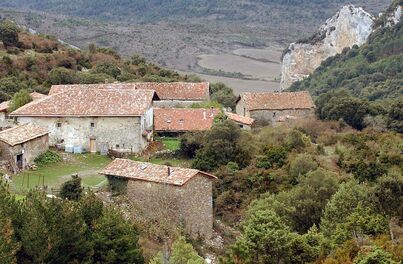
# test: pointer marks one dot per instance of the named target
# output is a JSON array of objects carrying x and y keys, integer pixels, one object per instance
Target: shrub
[
  {"x": 19, "y": 99},
  {"x": 72, "y": 189},
  {"x": 48, "y": 157}
]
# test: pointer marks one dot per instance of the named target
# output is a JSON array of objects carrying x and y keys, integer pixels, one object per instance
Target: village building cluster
[{"x": 124, "y": 117}]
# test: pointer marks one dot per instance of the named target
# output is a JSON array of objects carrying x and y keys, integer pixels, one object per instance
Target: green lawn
[
  {"x": 170, "y": 143},
  {"x": 53, "y": 175}
]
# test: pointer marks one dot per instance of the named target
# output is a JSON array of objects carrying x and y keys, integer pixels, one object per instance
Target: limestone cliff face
[{"x": 350, "y": 26}]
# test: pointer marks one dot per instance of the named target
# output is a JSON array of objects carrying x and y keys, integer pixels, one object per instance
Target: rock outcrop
[{"x": 350, "y": 26}]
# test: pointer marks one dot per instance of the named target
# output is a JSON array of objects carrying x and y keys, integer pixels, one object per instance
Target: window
[
  {"x": 92, "y": 124},
  {"x": 274, "y": 114},
  {"x": 58, "y": 124},
  {"x": 117, "y": 145}
]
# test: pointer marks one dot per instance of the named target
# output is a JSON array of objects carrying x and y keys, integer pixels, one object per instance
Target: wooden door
[{"x": 93, "y": 147}]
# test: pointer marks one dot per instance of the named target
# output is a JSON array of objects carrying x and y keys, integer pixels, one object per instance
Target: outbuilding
[
  {"x": 21, "y": 144},
  {"x": 161, "y": 193}
]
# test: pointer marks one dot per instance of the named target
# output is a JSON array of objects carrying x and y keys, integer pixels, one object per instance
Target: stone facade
[
  {"x": 190, "y": 205},
  {"x": 122, "y": 133},
  {"x": 23, "y": 155}
]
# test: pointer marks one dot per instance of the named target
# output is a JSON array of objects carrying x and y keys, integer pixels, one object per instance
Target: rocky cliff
[{"x": 350, "y": 26}]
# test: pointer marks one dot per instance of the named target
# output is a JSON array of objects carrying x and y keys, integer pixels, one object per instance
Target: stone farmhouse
[
  {"x": 21, "y": 144},
  {"x": 272, "y": 107},
  {"x": 165, "y": 194},
  {"x": 5, "y": 105},
  {"x": 243, "y": 122},
  {"x": 174, "y": 121},
  {"x": 175, "y": 94},
  {"x": 82, "y": 119}
]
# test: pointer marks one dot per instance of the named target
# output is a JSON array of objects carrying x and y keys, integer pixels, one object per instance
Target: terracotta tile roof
[
  {"x": 35, "y": 96},
  {"x": 240, "y": 119},
  {"x": 20, "y": 134},
  {"x": 183, "y": 119},
  {"x": 165, "y": 91},
  {"x": 277, "y": 101},
  {"x": 90, "y": 102},
  {"x": 4, "y": 106},
  {"x": 145, "y": 171},
  {"x": 62, "y": 88},
  {"x": 178, "y": 90}
]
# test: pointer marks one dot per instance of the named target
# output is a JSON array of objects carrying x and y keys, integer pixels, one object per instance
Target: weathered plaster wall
[
  {"x": 30, "y": 150},
  {"x": 2, "y": 116},
  {"x": 241, "y": 109},
  {"x": 115, "y": 132},
  {"x": 190, "y": 204}
]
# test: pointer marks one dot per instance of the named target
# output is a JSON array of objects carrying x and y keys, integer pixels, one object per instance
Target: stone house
[
  {"x": 21, "y": 144},
  {"x": 159, "y": 193},
  {"x": 5, "y": 105},
  {"x": 175, "y": 94},
  {"x": 174, "y": 121},
  {"x": 243, "y": 122},
  {"x": 268, "y": 108},
  {"x": 93, "y": 120},
  {"x": 178, "y": 94}
]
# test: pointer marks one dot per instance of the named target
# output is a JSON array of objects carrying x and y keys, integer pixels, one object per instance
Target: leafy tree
[
  {"x": 222, "y": 94},
  {"x": 8, "y": 33},
  {"x": 301, "y": 165},
  {"x": 265, "y": 239},
  {"x": 388, "y": 193},
  {"x": 183, "y": 252},
  {"x": 62, "y": 76},
  {"x": 19, "y": 99},
  {"x": 108, "y": 68},
  {"x": 72, "y": 189},
  {"x": 115, "y": 240},
  {"x": 377, "y": 256},
  {"x": 274, "y": 156}
]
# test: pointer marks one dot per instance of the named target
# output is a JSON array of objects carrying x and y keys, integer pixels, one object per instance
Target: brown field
[{"x": 272, "y": 54}]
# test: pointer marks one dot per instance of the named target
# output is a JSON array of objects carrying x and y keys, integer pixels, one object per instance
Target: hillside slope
[{"x": 372, "y": 73}]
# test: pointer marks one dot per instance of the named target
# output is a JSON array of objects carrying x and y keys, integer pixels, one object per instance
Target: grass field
[
  {"x": 170, "y": 143},
  {"x": 86, "y": 166}
]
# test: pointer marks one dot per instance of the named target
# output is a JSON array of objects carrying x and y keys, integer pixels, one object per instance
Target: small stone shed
[
  {"x": 243, "y": 122},
  {"x": 174, "y": 121},
  {"x": 20, "y": 145},
  {"x": 268, "y": 108},
  {"x": 180, "y": 196}
]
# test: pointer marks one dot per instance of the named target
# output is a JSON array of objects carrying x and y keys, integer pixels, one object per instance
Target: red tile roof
[
  {"x": 145, "y": 171},
  {"x": 90, "y": 102},
  {"x": 20, "y": 134},
  {"x": 62, "y": 88},
  {"x": 35, "y": 96},
  {"x": 277, "y": 101},
  {"x": 240, "y": 119},
  {"x": 183, "y": 119},
  {"x": 165, "y": 91},
  {"x": 178, "y": 90}
]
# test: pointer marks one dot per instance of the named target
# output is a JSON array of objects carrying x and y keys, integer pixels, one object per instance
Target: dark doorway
[{"x": 19, "y": 161}]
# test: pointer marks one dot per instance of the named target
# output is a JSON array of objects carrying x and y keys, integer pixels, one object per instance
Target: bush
[
  {"x": 19, "y": 99},
  {"x": 48, "y": 157},
  {"x": 72, "y": 189}
]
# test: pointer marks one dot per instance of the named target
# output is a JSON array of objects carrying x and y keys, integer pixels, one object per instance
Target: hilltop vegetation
[
  {"x": 151, "y": 11},
  {"x": 362, "y": 81}
]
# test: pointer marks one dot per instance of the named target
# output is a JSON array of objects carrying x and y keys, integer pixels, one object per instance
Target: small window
[
  {"x": 58, "y": 124},
  {"x": 117, "y": 145},
  {"x": 274, "y": 114},
  {"x": 92, "y": 124}
]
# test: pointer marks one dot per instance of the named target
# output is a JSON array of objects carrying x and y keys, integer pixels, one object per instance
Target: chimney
[{"x": 204, "y": 114}]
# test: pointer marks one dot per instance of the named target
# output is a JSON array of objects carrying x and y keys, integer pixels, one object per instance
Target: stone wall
[
  {"x": 30, "y": 150},
  {"x": 271, "y": 117},
  {"x": 2, "y": 116},
  {"x": 190, "y": 205},
  {"x": 115, "y": 132}
]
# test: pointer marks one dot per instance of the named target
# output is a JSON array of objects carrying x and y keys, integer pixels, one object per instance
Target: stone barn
[
  {"x": 164, "y": 194},
  {"x": 171, "y": 95},
  {"x": 271, "y": 107},
  {"x": 82, "y": 119},
  {"x": 174, "y": 121},
  {"x": 21, "y": 144}
]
